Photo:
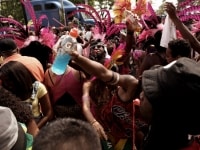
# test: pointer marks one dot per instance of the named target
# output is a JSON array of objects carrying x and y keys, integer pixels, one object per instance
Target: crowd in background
[{"x": 74, "y": 88}]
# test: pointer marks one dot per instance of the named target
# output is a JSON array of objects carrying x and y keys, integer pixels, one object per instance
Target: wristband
[{"x": 116, "y": 80}]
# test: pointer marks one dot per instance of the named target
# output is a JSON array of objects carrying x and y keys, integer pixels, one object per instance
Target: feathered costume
[
  {"x": 189, "y": 11},
  {"x": 104, "y": 29},
  {"x": 20, "y": 33}
]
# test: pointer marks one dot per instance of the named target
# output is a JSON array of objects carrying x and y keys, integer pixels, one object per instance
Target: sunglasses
[{"x": 97, "y": 47}]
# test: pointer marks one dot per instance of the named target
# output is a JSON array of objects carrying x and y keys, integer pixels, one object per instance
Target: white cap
[{"x": 8, "y": 129}]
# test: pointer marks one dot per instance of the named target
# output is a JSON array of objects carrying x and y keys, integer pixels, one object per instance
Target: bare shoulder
[
  {"x": 78, "y": 74},
  {"x": 127, "y": 89},
  {"x": 126, "y": 78}
]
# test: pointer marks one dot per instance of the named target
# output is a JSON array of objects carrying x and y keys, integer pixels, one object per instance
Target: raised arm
[
  {"x": 92, "y": 67},
  {"x": 185, "y": 32},
  {"x": 130, "y": 38},
  {"x": 127, "y": 83}
]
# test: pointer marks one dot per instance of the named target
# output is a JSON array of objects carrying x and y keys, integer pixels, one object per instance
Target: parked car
[{"x": 53, "y": 10}]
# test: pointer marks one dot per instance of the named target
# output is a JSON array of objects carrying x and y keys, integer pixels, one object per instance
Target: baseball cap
[
  {"x": 11, "y": 133},
  {"x": 7, "y": 44},
  {"x": 174, "y": 88},
  {"x": 183, "y": 74}
]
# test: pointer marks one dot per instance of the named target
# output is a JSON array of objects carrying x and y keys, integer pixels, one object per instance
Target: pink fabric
[
  {"x": 66, "y": 83},
  {"x": 31, "y": 63},
  {"x": 138, "y": 54},
  {"x": 118, "y": 117},
  {"x": 86, "y": 52}
]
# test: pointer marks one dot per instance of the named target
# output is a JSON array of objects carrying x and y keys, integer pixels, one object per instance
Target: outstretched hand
[
  {"x": 171, "y": 10},
  {"x": 100, "y": 130},
  {"x": 133, "y": 24}
]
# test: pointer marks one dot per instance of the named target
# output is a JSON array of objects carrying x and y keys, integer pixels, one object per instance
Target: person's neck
[{"x": 9, "y": 54}]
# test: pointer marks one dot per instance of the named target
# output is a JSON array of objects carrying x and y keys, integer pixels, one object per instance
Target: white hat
[{"x": 10, "y": 133}]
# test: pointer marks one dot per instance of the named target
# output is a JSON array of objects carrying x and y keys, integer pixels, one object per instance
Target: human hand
[
  {"x": 132, "y": 21},
  {"x": 97, "y": 126},
  {"x": 74, "y": 55},
  {"x": 171, "y": 10},
  {"x": 133, "y": 24}
]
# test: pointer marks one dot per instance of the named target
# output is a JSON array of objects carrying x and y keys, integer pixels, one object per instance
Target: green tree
[
  {"x": 90, "y": 2},
  {"x": 105, "y": 4},
  {"x": 13, "y": 8},
  {"x": 161, "y": 10}
]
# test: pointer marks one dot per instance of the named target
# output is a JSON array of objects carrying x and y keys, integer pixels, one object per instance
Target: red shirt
[{"x": 117, "y": 116}]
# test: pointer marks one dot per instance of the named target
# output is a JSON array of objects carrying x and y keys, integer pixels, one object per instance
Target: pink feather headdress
[
  {"x": 115, "y": 56},
  {"x": 15, "y": 30},
  {"x": 138, "y": 54},
  {"x": 188, "y": 10},
  {"x": 196, "y": 27},
  {"x": 19, "y": 32},
  {"x": 104, "y": 26}
]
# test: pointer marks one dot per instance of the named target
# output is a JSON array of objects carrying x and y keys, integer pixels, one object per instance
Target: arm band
[
  {"x": 112, "y": 79},
  {"x": 116, "y": 80}
]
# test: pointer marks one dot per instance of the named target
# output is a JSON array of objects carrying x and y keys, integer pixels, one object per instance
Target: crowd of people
[{"x": 119, "y": 92}]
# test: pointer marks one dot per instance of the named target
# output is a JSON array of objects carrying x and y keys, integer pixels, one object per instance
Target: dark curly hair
[
  {"x": 21, "y": 111},
  {"x": 40, "y": 51},
  {"x": 180, "y": 47},
  {"x": 67, "y": 133},
  {"x": 17, "y": 79}
]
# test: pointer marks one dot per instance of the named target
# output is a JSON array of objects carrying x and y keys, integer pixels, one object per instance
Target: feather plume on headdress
[
  {"x": 121, "y": 5},
  {"x": 105, "y": 17},
  {"x": 15, "y": 30},
  {"x": 137, "y": 15},
  {"x": 196, "y": 27},
  {"x": 123, "y": 12},
  {"x": 115, "y": 56},
  {"x": 47, "y": 37},
  {"x": 89, "y": 10},
  {"x": 188, "y": 10},
  {"x": 118, "y": 9},
  {"x": 28, "y": 6},
  {"x": 141, "y": 7},
  {"x": 19, "y": 32},
  {"x": 36, "y": 22},
  {"x": 104, "y": 26}
]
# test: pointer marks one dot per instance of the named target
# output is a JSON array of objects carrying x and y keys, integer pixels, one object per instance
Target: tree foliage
[
  {"x": 90, "y": 2},
  {"x": 13, "y": 8}
]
